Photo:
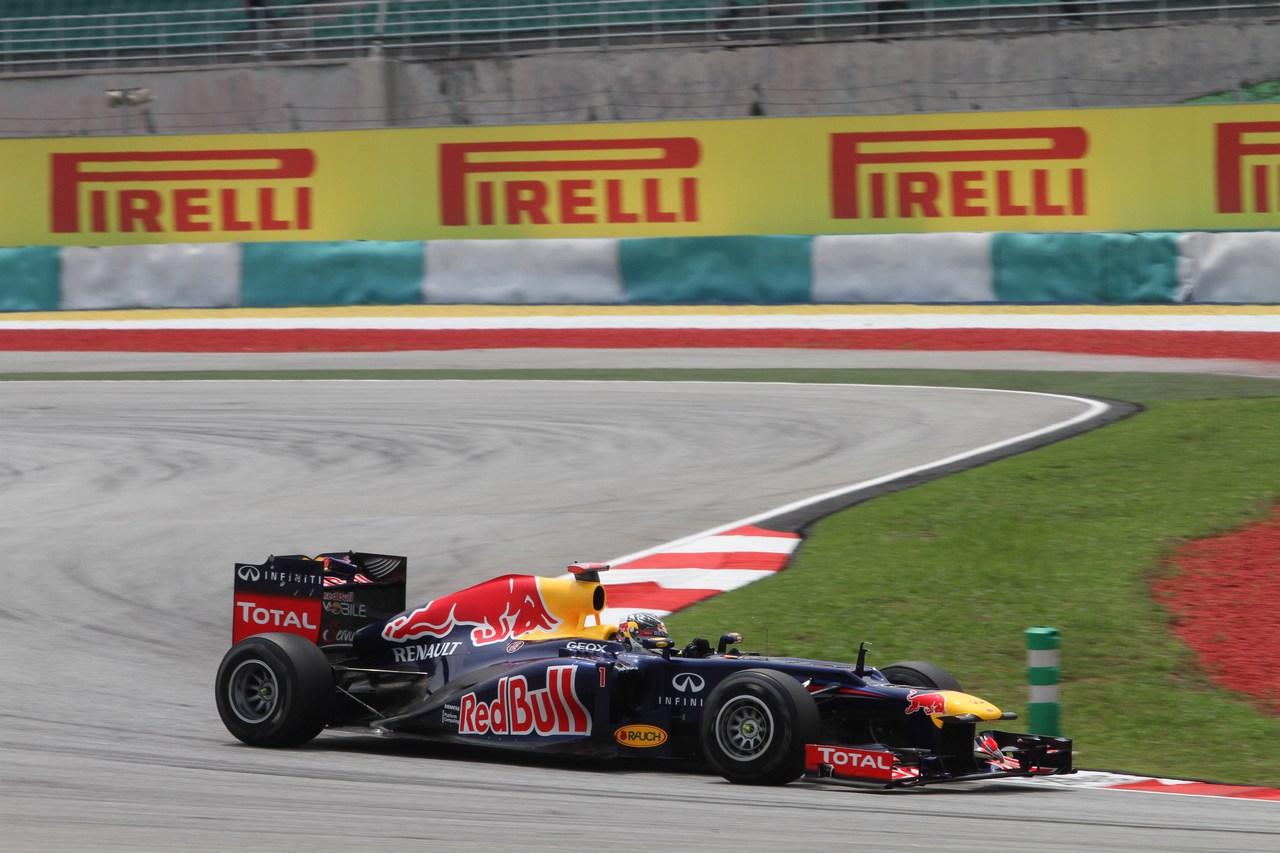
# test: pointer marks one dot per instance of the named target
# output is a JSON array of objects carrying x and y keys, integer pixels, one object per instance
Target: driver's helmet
[
  {"x": 644, "y": 630},
  {"x": 646, "y": 625}
]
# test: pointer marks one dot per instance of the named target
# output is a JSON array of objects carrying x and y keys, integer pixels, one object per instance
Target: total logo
[
  {"x": 640, "y": 737},
  {"x": 252, "y": 614},
  {"x": 846, "y": 761},
  {"x": 256, "y": 613}
]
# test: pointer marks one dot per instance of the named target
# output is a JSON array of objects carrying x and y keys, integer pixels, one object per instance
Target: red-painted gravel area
[
  {"x": 1263, "y": 346},
  {"x": 1225, "y": 601}
]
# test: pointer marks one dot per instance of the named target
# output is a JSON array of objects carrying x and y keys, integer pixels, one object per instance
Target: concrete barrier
[
  {"x": 720, "y": 270},
  {"x": 903, "y": 268},
  {"x": 172, "y": 275},
  {"x": 523, "y": 271},
  {"x": 1111, "y": 268},
  {"x": 1232, "y": 267},
  {"x": 338, "y": 273},
  {"x": 30, "y": 279}
]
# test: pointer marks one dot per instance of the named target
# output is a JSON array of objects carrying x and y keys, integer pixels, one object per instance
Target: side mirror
[{"x": 726, "y": 640}]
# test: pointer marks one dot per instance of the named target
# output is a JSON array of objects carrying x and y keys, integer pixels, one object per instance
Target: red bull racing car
[{"x": 527, "y": 662}]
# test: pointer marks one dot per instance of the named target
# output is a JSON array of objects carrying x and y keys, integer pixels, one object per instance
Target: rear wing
[{"x": 325, "y": 598}]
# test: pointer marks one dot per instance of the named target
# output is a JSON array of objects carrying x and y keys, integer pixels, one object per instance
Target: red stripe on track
[
  {"x": 1208, "y": 789},
  {"x": 1263, "y": 346},
  {"x": 643, "y": 595},
  {"x": 764, "y": 562},
  {"x": 751, "y": 530}
]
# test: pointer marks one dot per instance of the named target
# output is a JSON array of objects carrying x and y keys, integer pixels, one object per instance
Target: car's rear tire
[
  {"x": 755, "y": 726},
  {"x": 918, "y": 673},
  {"x": 274, "y": 690}
]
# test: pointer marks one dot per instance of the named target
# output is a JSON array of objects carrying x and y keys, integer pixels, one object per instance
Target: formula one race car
[{"x": 526, "y": 662}]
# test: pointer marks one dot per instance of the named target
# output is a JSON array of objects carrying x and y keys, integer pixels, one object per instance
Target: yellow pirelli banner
[{"x": 1164, "y": 168}]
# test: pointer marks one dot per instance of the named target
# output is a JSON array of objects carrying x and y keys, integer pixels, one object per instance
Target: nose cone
[
  {"x": 963, "y": 703},
  {"x": 950, "y": 703}
]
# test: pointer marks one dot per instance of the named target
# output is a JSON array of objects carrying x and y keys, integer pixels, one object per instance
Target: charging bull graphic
[
  {"x": 930, "y": 703},
  {"x": 499, "y": 609}
]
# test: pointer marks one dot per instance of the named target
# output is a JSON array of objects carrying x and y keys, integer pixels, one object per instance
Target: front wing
[{"x": 996, "y": 755}]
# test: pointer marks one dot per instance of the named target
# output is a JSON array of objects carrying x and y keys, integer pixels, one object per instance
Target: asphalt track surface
[{"x": 124, "y": 504}]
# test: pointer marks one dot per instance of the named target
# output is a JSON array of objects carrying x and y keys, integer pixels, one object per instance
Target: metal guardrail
[{"x": 210, "y": 35}]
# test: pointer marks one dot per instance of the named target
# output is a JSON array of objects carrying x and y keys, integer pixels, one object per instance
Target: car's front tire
[
  {"x": 918, "y": 673},
  {"x": 274, "y": 690},
  {"x": 755, "y": 726}
]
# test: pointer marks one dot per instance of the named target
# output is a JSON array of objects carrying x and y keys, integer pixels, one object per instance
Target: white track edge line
[{"x": 1093, "y": 409}]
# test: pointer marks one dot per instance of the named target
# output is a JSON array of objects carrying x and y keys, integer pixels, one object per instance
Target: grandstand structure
[
  {"x": 110, "y": 67},
  {"x": 67, "y": 35}
]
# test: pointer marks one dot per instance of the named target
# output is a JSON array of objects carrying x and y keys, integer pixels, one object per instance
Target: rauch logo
[
  {"x": 640, "y": 736},
  {"x": 478, "y": 184},
  {"x": 872, "y": 175},
  {"x": 182, "y": 191}
]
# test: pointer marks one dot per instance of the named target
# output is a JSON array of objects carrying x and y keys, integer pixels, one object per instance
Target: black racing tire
[
  {"x": 274, "y": 690},
  {"x": 755, "y": 726},
  {"x": 918, "y": 673}
]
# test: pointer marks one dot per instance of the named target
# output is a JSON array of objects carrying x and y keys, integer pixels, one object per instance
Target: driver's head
[{"x": 645, "y": 626}]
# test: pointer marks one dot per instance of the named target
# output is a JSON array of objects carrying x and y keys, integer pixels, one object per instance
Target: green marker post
[{"x": 1043, "y": 673}]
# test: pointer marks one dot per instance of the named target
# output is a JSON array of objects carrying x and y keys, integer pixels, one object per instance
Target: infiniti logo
[
  {"x": 687, "y": 682},
  {"x": 248, "y": 573}
]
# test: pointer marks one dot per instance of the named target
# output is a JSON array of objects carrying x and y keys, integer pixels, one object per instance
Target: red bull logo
[
  {"x": 939, "y": 174},
  {"x": 182, "y": 191},
  {"x": 517, "y": 710},
  {"x": 929, "y": 703},
  {"x": 499, "y": 610},
  {"x": 506, "y": 183}
]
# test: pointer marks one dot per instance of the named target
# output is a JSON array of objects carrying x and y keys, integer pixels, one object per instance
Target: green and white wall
[{"x": 1091, "y": 268}]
